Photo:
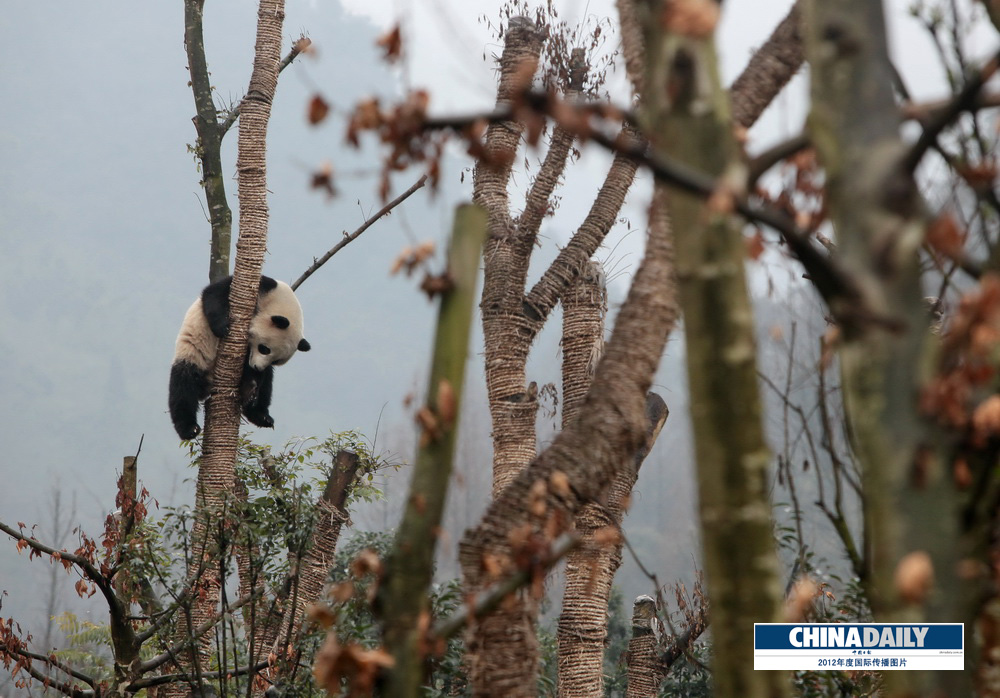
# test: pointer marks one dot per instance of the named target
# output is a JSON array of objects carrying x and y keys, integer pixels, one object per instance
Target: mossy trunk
[
  {"x": 875, "y": 207},
  {"x": 690, "y": 120}
]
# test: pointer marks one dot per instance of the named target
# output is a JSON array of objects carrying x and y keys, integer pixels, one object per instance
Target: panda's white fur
[
  {"x": 276, "y": 333},
  {"x": 281, "y": 343},
  {"x": 195, "y": 341}
]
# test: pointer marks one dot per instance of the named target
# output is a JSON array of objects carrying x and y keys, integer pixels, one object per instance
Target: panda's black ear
[
  {"x": 267, "y": 284},
  {"x": 304, "y": 345},
  {"x": 280, "y": 321}
]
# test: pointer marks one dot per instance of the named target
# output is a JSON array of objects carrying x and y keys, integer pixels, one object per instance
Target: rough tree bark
[
  {"x": 691, "y": 121},
  {"x": 309, "y": 570},
  {"x": 769, "y": 70},
  {"x": 512, "y": 404},
  {"x": 216, "y": 474},
  {"x": 644, "y": 673},
  {"x": 590, "y": 569}
]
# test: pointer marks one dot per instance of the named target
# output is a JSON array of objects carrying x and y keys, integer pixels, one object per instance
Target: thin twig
[
  {"x": 964, "y": 100},
  {"x": 772, "y": 156},
  {"x": 490, "y": 598},
  {"x": 65, "y": 688},
  {"x": 148, "y": 682},
  {"x": 171, "y": 652},
  {"x": 317, "y": 263}
]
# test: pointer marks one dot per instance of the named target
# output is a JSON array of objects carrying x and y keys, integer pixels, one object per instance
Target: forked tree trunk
[
  {"x": 512, "y": 404},
  {"x": 216, "y": 474},
  {"x": 545, "y": 498}
]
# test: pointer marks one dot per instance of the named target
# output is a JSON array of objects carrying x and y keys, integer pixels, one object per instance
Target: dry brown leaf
[
  {"x": 694, "y": 18},
  {"x": 559, "y": 483},
  {"x": 321, "y": 614},
  {"x": 318, "y": 110},
  {"x": 944, "y": 236},
  {"x": 962, "y": 474},
  {"x": 754, "y": 245},
  {"x": 366, "y": 562},
  {"x": 800, "y": 600},
  {"x": 914, "y": 576},
  {"x": 986, "y": 418},
  {"x": 391, "y": 44},
  {"x": 323, "y": 179}
]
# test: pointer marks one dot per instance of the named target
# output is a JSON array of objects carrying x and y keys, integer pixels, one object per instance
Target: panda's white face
[
  {"x": 276, "y": 329},
  {"x": 272, "y": 341}
]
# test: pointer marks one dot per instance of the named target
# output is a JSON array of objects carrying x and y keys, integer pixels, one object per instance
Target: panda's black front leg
[
  {"x": 256, "y": 390},
  {"x": 215, "y": 305},
  {"x": 215, "y": 302},
  {"x": 188, "y": 387}
]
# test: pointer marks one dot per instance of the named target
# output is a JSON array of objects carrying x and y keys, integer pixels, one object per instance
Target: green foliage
[
  {"x": 356, "y": 622},
  {"x": 87, "y": 646},
  {"x": 616, "y": 649},
  {"x": 689, "y": 675},
  {"x": 272, "y": 517},
  {"x": 548, "y": 659}
]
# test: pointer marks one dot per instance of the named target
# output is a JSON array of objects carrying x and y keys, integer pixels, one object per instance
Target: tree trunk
[
  {"x": 309, "y": 570},
  {"x": 576, "y": 469},
  {"x": 410, "y": 568},
  {"x": 874, "y": 205},
  {"x": 512, "y": 404},
  {"x": 216, "y": 474},
  {"x": 740, "y": 561},
  {"x": 644, "y": 673},
  {"x": 591, "y": 568},
  {"x": 209, "y": 145}
]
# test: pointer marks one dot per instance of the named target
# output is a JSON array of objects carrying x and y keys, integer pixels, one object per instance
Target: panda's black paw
[
  {"x": 260, "y": 419},
  {"x": 188, "y": 433}
]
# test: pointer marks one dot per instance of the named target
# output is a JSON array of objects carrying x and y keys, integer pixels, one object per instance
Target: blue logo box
[{"x": 859, "y": 646}]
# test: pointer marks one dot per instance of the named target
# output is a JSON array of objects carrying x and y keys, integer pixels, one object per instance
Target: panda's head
[{"x": 276, "y": 328}]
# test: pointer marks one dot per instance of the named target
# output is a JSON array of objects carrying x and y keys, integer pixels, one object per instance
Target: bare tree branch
[
  {"x": 963, "y": 101},
  {"x": 348, "y": 239},
  {"x": 53, "y": 662},
  {"x": 769, "y": 70},
  {"x": 491, "y": 597},
  {"x": 163, "y": 679}
]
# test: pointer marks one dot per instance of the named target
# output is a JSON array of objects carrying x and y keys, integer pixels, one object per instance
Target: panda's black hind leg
[
  {"x": 255, "y": 390},
  {"x": 188, "y": 387}
]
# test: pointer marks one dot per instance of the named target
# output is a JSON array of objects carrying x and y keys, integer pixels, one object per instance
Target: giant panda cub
[{"x": 275, "y": 335}]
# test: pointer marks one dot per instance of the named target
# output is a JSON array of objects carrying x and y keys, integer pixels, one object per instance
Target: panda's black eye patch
[
  {"x": 264, "y": 349},
  {"x": 280, "y": 321}
]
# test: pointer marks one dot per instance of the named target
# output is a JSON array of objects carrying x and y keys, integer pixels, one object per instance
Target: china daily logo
[{"x": 859, "y": 646}]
